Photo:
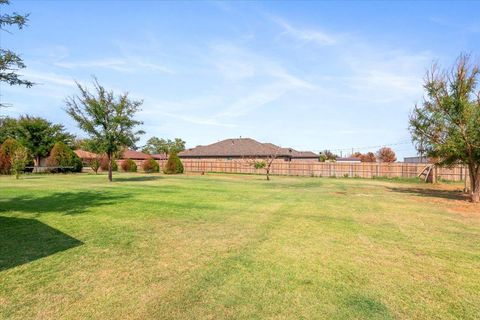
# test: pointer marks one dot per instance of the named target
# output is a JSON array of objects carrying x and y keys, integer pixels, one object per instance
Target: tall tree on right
[
  {"x": 108, "y": 119},
  {"x": 447, "y": 124}
]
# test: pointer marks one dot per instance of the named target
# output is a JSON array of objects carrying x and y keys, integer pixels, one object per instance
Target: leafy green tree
[
  {"x": 39, "y": 136},
  {"x": 159, "y": 145},
  {"x": 8, "y": 128},
  {"x": 11, "y": 62},
  {"x": 19, "y": 160},
  {"x": 327, "y": 155},
  {"x": 106, "y": 118},
  {"x": 446, "y": 126}
]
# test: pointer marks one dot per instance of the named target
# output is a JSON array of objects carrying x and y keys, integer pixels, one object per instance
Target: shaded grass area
[
  {"x": 236, "y": 247},
  {"x": 26, "y": 240}
]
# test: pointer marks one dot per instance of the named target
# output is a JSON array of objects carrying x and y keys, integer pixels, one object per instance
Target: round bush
[
  {"x": 174, "y": 165},
  {"x": 64, "y": 157},
  {"x": 129, "y": 165},
  {"x": 104, "y": 164},
  {"x": 150, "y": 165},
  {"x": 7, "y": 150},
  {"x": 77, "y": 163}
]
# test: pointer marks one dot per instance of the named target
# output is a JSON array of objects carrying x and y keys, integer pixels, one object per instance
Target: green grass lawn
[{"x": 235, "y": 246}]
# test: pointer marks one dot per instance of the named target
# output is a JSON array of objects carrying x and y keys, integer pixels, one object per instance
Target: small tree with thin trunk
[
  {"x": 108, "y": 119},
  {"x": 386, "y": 154},
  {"x": 446, "y": 126},
  {"x": 19, "y": 160},
  {"x": 265, "y": 163}
]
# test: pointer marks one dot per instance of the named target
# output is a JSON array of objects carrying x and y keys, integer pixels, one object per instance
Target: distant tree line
[
  {"x": 156, "y": 145},
  {"x": 26, "y": 140}
]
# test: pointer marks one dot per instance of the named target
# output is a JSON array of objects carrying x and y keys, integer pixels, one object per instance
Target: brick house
[{"x": 239, "y": 148}]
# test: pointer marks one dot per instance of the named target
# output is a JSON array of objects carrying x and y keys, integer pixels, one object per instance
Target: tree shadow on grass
[
  {"x": 62, "y": 202},
  {"x": 26, "y": 240},
  {"x": 431, "y": 193},
  {"x": 136, "y": 178}
]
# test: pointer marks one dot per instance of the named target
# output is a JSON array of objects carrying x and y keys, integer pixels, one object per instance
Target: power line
[{"x": 402, "y": 142}]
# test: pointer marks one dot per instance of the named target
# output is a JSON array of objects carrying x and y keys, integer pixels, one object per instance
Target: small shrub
[
  {"x": 150, "y": 166},
  {"x": 77, "y": 163},
  {"x": 345, "y": 175},
  {"x": 129, "y": 165},
  {"x": 104, "y": 164},
  {"x": 5, "y": 163},
  {"x": 95, "y": 165},
  {"x": 174, "y": 165},
  {"x": 260, "y": 164},
  {"x": 7, "y": 150},
  {"x": 64, "y": 157}
]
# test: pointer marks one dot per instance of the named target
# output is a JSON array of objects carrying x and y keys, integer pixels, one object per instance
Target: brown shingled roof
[
  {"x": 304, "y": 154},
  {"x": 134, "y": 155},
  {"x": 243, "y": 147},
  {"x": 85, "y": 155},
  {"x": 160, "y": 156}
]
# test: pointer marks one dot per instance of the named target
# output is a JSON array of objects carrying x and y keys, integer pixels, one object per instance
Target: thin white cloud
[
  {"x": 208, "y": 121},
  {"x": 48, "y": 78},
  {"x": 260, "y": 80},
  {"x": 129, "y": 64},
  {"x": 306, "y": 35}
]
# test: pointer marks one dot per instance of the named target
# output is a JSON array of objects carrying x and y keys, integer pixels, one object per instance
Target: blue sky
[{"x": 309, "y": 75}]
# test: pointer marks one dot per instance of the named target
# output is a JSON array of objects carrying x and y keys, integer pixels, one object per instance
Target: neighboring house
[
  {"x": 134, "y": 155},
  {"x": 160, "y": 156},
  {"x": 348, "y": 160},
  {"x": 245, "y": 148},
  {"x": 85, "y": 156},
  {"x": 416, "y": 160}
]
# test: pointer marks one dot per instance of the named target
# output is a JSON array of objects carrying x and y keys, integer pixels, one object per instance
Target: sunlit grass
[{"x": 235, "y": 246}]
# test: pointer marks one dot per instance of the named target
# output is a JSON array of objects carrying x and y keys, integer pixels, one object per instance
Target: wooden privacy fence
[{"x": 323, "y": 169}]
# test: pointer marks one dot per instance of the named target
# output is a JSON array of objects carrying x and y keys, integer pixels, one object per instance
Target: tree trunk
[
  {"x": 109, "y": 156},
  {"x": 268, "y": 174},
  {"x": 36, "y": 163},
  {"x": 475, "y": 184}
]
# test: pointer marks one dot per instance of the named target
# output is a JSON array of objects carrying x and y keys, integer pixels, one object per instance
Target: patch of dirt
[
  {"x": 466, "y": 209},
  {"x": 339, "y": 193},
  {"x": 448, "y": 196}
]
